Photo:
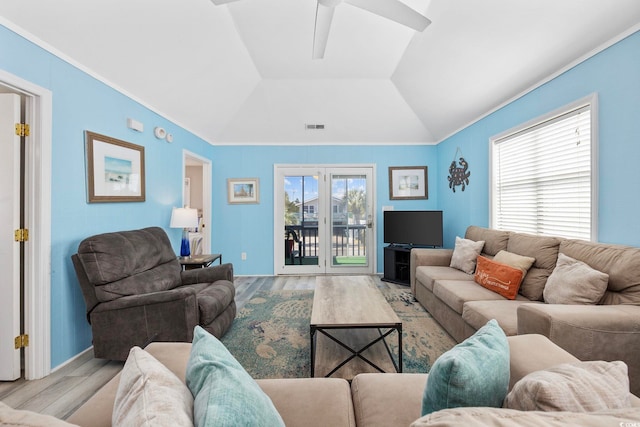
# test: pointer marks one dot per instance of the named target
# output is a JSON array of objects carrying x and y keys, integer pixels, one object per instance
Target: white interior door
[
  {"x": 323, "y": 220},
  {"x": 9, "y": 249}
]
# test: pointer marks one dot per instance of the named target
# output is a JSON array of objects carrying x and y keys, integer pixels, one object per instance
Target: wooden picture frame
[
  {"x": 115, "y": 170},
  {"x": 243, "y": 190},
  {"x": 408, "y": 183}
]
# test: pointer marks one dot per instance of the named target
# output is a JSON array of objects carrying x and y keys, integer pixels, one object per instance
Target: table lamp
[{"x": 184, "y": 218}]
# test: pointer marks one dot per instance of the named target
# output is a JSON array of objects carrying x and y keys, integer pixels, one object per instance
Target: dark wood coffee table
[{"x": 350, "y": 321}]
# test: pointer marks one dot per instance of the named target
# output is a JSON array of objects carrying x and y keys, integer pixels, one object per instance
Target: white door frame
[
  {"x": 323, "y": 223},
  {"x": 37, "y": 310},
  {"x": 206, "y": 195}
]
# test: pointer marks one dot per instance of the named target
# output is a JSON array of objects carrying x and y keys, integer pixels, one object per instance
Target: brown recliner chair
[{"x": 136, "y": 292}]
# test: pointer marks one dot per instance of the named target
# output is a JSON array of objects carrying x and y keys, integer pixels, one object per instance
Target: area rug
[{"x": 270, "y": 335}]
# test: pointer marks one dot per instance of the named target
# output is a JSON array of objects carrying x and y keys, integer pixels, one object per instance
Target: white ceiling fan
[{"x": 390, "y": 9}]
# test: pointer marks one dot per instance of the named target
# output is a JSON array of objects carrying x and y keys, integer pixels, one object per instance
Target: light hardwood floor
[{"x": 62, "y": 392}]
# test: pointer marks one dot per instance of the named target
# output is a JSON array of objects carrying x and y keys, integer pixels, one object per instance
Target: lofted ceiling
[{"x": 243, "y": 72}]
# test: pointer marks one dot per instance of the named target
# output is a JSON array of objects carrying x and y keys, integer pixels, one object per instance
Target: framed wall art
[
  {"x": 408, "y": 183},
  {"x": 115, "y": 170},
  {"x": 243, "y": 190}
]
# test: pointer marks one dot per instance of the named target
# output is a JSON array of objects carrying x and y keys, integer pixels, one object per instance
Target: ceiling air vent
[{"x": 311, "y": 127}]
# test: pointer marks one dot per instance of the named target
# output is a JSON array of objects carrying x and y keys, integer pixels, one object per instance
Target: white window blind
[{"x": 542, "y": 177}]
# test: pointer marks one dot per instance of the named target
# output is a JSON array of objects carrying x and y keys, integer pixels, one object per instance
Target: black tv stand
[{"x": 397, "y": 263}]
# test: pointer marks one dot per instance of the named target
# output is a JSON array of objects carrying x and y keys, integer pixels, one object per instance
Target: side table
[{"x": 199, "y": 261}]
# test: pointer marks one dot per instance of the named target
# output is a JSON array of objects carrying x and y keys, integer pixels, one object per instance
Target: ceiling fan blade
[
  {"x": 394, "y": 10},
  {"x": 219, "y": 2},
  {"x": 324, "y": 16}
]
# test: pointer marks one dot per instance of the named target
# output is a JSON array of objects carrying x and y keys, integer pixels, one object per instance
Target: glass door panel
[
  {"x": 301, "y": 213},
  {"x": 323, "y": 220},
  {"x": 351, "y": 220}
]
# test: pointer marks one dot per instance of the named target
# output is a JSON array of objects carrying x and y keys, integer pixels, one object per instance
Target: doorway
[
  {"x": 197, "y": 194},
  {"x": 324, "y": 219},
  {"x": 32, "y": 304}
]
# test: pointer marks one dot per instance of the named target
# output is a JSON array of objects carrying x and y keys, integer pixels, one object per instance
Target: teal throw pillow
[
  {"x": 224, "y": 393},
  {"x": 473, "y": 373}
]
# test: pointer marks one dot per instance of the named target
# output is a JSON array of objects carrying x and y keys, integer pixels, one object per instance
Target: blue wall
[
  {"x": 248, "y": 228},
  {"x": 82, "y": 103},
  {"x": 614, "y": 75}
]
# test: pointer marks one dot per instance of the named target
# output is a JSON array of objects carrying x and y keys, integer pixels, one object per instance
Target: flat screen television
[{"x": 413, "y": 228}]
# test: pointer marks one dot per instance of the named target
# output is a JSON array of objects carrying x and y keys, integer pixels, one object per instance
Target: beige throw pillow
[
  {"x": 465, "y": 254},
  {"x": 524, "y": 263},
  {"x": 574, "y": 282},
  {"x": 149, "y": 394},
  {"x": 577, "y": 387}
]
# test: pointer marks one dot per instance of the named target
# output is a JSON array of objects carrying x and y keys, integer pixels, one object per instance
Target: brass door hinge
[
  {"x": 22, "y": 129},
  {"x": 21, "y": 341},
  {"x": 21, "y": 235}
]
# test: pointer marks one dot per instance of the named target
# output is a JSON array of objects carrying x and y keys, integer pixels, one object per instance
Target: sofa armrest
[
  {"x": 208, "y": 274},
  {"x": 534, "y": 352},
  {"x": 589, "y": 332},
  {"x": 422, "y": 256}
]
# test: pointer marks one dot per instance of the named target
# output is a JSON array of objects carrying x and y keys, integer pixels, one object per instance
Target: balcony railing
[{"x": 346, "y": 240}]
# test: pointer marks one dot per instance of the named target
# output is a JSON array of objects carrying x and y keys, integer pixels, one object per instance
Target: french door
[{"x": 324, "y": 219}]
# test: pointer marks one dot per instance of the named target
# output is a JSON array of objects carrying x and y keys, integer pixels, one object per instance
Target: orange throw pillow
[{"x": 500, "y": 278}]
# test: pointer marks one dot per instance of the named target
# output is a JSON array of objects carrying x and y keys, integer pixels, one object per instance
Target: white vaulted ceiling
[{"x": 243, "y": 73}]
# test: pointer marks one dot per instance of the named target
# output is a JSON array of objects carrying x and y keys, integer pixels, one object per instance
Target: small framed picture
[
  {"x": 243, "y": 190},
  {"x": 408, "y": 183},
  {"x": 115, "y": 170}
]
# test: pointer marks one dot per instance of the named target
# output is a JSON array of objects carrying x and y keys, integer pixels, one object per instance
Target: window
[{"x": 543, "y": 175}]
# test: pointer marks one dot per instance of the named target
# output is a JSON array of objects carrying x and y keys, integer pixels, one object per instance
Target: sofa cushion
[
  {"x": 494, "y": 240},
  {"x": 478, "y": 313},
  {"x": 545, "y": 252},
  {"x": 621, "y": 263},
  {"x": 574, "y": 282},
  {"x": 305, "y": 401},
  {"x": 374, "y": 394},
  {"x": 224, "y": 393},
  {"x": 524, "y": 263},
  {"x": 492, "y": 417},
  {"x": 465, "y": 254},
  {"x": 577, "y": 387},
  {"x": 20, "y": 418},
  {"x": 497, "y": 277},
  {"x": 149, "y": 394},
  {"x": 455, "y": 293},
  {"x": 428, "y": 274},
  {"x": 473, "y": 373}
]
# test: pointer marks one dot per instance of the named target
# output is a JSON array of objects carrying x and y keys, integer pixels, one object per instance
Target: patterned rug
[{"x": 270, "y": 335}]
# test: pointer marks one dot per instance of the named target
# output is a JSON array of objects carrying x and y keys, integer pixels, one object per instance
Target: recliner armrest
[
  {"x": 208, "y": 274},
  {"x": 146, "y": 299}
]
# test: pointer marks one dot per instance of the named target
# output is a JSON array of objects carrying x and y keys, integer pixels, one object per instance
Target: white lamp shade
[{"x": 184, "y": 218}]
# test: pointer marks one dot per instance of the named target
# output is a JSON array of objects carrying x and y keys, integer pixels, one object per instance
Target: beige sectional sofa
[
  {"x": 372, "y": 400},
  {"x": 608, "y": 330}
]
